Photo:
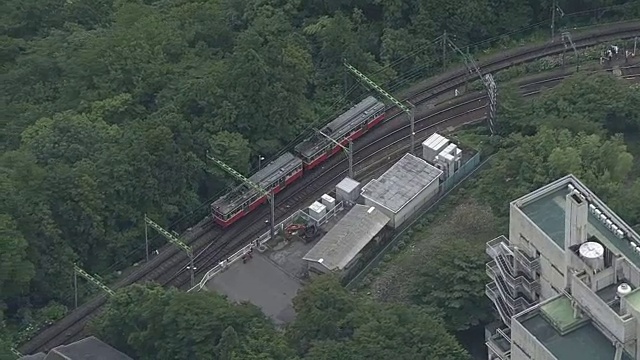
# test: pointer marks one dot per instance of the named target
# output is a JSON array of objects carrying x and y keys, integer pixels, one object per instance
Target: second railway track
[{"x": 211, "y": 244}]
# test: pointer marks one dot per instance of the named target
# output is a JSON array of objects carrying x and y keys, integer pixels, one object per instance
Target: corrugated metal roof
[
  {"x": 350, "y": 235},
  {"x": 264, "y": 178},
  {"x": 401, "y": 183},
  {"x": 340, "y": 127}
]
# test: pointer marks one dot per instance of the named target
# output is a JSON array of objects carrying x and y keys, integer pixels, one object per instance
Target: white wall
[{"x": 414, "y": 205}]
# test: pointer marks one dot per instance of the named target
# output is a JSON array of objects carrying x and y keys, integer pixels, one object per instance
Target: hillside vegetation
[{"x": 108, "y": 107}]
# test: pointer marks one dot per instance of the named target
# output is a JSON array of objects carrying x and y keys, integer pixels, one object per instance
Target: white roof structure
[
  {"x": 350, "y": 235},
  {"x": 348, "y": 184},
  {"x": 435, "y": 141},
  {"x": 401, "y": 183}
]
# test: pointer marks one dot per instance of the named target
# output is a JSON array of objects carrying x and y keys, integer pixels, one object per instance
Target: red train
[{"x": 288, "y": 168}]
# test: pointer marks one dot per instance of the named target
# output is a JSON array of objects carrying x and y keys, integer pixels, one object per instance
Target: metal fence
[{"x": 464, "y": 170}]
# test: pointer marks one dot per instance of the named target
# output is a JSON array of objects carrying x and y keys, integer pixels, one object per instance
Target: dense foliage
[
  {"x": 149, "y": 322},
  {"x": 582, "y": 127},
  {"x": 205, "y": 326},
  {"x": 108, "y": 106}
]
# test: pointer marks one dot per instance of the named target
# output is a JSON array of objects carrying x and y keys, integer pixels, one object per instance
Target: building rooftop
[
  {"x": 265, "y": 177},
  {"x": 89, "y": 348},
  {"x": 546, "y": 209},
  {"x": 340, "y": 126},
  {"x": 348, "y": 184},
  {"x": 350, "y": 235},
  {"x": 578, "y": 339},
  {"x": 401, "y": 183}
]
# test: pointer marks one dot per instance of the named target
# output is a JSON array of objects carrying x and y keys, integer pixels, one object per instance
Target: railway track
[{"x": 211, "y": 244}]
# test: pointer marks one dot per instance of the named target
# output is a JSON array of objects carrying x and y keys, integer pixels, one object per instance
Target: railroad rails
[{"x": 211, "y": 244}]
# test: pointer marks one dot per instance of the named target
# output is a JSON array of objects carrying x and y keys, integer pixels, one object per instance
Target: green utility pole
[
  {"x": 487, "y": 80},
  {"x": 348, "y": 151},
  {"x": 397, "y": 103},
  {"x": 253, "y": 185},
  {"x": 175, "y": 241},
  {"x": 78, "y": 271}
]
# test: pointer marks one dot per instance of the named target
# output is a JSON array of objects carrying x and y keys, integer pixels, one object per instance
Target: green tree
[
  {"x": 16, "y": 270},
  {"x": 528, "y": 162},
  {"x": 451, "y": 284},
  {"x": 357, "y": 328},
  {"x": 203, "y": 326},
  {"x": 324, "y": 311}
]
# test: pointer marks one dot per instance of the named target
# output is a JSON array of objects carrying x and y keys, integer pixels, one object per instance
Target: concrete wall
[
  {"x": 521, "y": 229},
  {"x": 551, "y": 279},
  {"x": 528, "y": 237},
  {"x": 525, "y": 346},
  {"x": 623, "y": 330},
  {"x": 414, "y": 205},
  {"x": 630, "y": 273}
]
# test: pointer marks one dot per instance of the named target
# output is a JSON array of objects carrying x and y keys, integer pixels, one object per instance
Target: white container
[
  {"x": 317, "y": 211},
  {"x": 328, "y": 201},
  {"x": 348, "y": 191},
  {"x": 433, "y": 146}
]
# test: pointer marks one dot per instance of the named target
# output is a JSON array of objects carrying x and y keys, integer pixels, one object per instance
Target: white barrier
[{"x": 262, "y": 240}]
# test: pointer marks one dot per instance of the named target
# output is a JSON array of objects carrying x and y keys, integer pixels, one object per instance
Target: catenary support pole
[
  {"x": 345, "y": 149},
  {"x": 487, "y": 81},
  {"x": 175, "y": 241},
  {"x": 363, "y": 78},
  {"x": 412, "y": 122},
  {"x": 567, "y": 41},
  {"x": 92, "y": 280},
  {"x": 553, "y": 20},
  {"x": 75, "y": 288},
  {"x": 351, "y": 158},
  {"x": 444, "y": 48},
  {"x": 146, "y": 239},
  {"x": 272, "y": 222}
]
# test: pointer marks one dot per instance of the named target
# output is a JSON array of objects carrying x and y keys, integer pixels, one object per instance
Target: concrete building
[
  {"x": 90, "y": 348},
  {"x": 408, "y": 185},
  {"x": 566, "y": 281},
  {"x": 340, "y": 247}
]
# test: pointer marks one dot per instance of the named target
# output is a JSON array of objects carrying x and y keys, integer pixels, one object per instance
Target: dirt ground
[{"x": 467, "y": 221}]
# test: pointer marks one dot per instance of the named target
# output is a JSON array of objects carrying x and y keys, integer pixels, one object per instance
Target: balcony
[
  {"x": 518, "y": 283},
  {"x": 524, "y": 263},
  {"x": 499, "y": 344}
]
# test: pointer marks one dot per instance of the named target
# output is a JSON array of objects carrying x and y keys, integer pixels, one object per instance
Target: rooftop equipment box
[
  {"x": 348, "y": 191},
  {"x": 328, "y": 201},
  {"x": 317, "y": 211},
  {"x": 433, "y": 146}
]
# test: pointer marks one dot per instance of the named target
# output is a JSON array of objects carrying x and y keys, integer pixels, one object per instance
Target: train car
[
  {"x": 350, "y": 125},
  {"x": 243, "y": 199}
]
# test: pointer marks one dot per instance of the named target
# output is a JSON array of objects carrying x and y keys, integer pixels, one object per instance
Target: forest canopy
[{"x": 108, "y": 106}]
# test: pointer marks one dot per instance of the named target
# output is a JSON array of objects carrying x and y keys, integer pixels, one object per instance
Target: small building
[
  {"x": 403, "y": 189},
  {"x": 87, "y": 348},
  {"x": 338, "y": 250},
  {"x": 348, "y": 191}
]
